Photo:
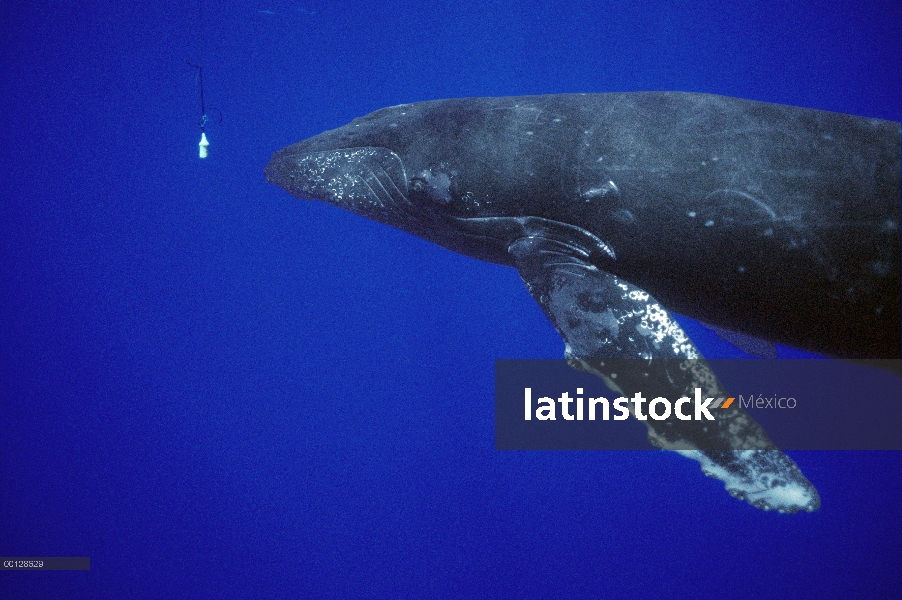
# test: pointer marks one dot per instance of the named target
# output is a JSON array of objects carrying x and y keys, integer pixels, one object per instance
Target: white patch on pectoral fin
[
  {"x": 621, "y": 334},
  {"x": 766, "y": 479}
]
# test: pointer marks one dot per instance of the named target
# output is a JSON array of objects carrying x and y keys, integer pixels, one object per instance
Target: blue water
[{"x": 214, "y": 390}]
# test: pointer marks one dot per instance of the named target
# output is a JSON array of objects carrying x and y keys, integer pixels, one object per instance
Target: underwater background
[{"x": 214, "y": 390}]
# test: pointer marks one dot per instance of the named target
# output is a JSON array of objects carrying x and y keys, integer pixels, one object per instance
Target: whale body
[{"x": 762, "y": 220}]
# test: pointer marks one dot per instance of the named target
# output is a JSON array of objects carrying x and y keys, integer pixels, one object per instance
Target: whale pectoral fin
[
  {"x": 620, "y": 333},
  {"x": 598, "y": 314}
]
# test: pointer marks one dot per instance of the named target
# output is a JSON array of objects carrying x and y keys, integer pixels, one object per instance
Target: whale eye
[
  {"x": 431, "y": 187},
  {"x": 417, "y": 186}
]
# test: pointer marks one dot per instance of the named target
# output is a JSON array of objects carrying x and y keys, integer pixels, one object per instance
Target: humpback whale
[{"x": 761, "y": 220}]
